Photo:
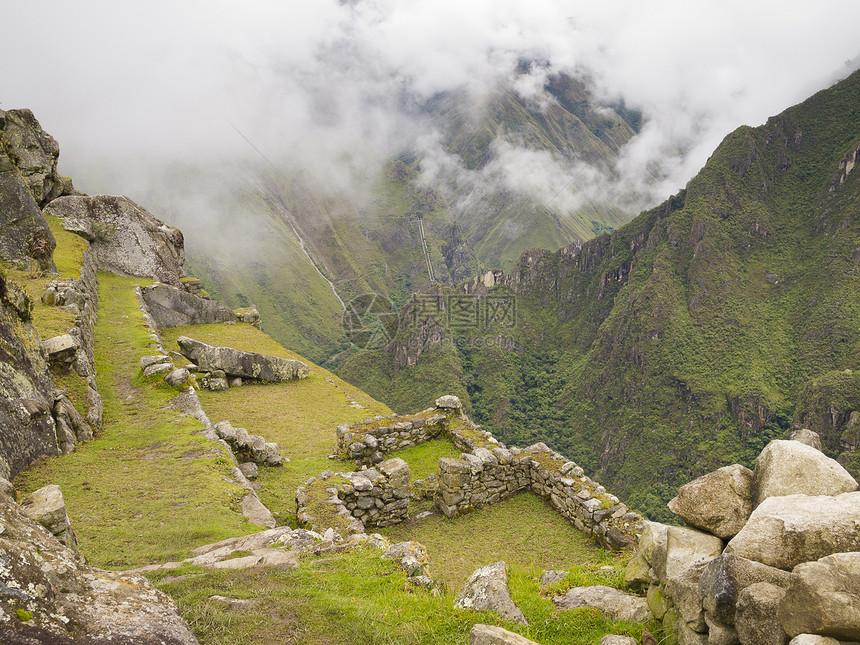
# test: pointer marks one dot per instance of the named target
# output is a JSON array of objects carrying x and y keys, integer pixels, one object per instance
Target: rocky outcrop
[
  {"x": 487, "y": 590},
  {"x": 171, "y": 306},
  {"x": 35, "y": 155},
  {"x": 24, "y": 233},
  {"x": 47, "y": 594},
  {"x": 124, "y": 237},
  {"x": 790, "y": 467},
  {"x": 608, "y": 601},
  {"x": 249, "y": 447},
  {"x": 719, "y": 502},
  {"x": 234, "y": 362},
  {"x": 47, "y": 507},
  {"x": 26, "y": 391}
]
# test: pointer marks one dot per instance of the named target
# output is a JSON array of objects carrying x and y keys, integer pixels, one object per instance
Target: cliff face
[{"x": 685, "y": 339}]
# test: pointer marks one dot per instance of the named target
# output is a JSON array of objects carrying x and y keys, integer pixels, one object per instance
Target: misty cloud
[{"x": 332, "y": 88}]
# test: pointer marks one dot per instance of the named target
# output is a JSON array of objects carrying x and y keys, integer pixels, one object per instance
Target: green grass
[
  {"x": 359, "y": 598},
  {"x": 147, "y": 489},
  {"x": 423, "y": 459},
  {"x": 300, "y": 416}
]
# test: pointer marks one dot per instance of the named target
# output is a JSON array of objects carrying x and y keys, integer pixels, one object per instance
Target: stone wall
[
  {"x": 488, "y": 475},
  {"x": 347, "y": 502},
  {"x": 367, "y": 441}
]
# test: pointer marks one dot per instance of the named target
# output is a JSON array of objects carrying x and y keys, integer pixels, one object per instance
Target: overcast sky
[{"x": 123, "y": 85}]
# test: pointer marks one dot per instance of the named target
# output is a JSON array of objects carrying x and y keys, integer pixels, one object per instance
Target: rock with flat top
[
  {"x": 686, "y": 547},
  {"x": 611, "y": 602},
  {"x": 785, "y": 531},
  {"x": 615, "y": 639},
  {"x": 487, "y": 590},
  {"x": 449, "y": 402}
]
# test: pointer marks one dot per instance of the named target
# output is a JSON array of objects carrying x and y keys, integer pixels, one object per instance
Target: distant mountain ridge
[{"x": 686, "y": 339}]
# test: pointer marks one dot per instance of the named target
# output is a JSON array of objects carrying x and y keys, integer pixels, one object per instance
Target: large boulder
[
  {"x": 756, "y": 621},
  {"x": 492, "y": 635},
  {"x": 64, "y": 595},
  {"x": 487, "y": 590},
  {"x": 35, "y": 154},
  {"x": 234, "y": 362},
  {"x": 24, "y": 233},
  {"x": 793, "y": 468},
  {"x": 785, "y": 531},
  {"x": 174, "y": 307},
  {"x": 824, "y": 597},
  {"x": 124, "y": 237},
  {"x": 48, "y": 508},
  {"x": 686, "y": 547},
  {"x": 683, "y": 590},
  {"x": 611, "y": 602},
  {"x": 726, "y": 576},
  {"x": 719, "y": 502},
  {"x": 652, "y": 546}
]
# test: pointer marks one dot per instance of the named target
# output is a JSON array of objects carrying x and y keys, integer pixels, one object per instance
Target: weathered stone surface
[
  {"x": 36, "y": 154},
  {"x": 124, "y": 237},
  {"x": 238, "y": 363},
  {"x": 684, "y": 593},
  {"x": 487, "y": 590},
  {"x": 726, "y": 576},
  {"x": 815, "y": 639},
  {"x": 756, "y": 619},
  {"x": 652, "y": 546},
  {"x": 785, "y": 531},
  {"x": 614, "y": 639},
  {"x": 249, "y": 447},
  {"x": 719, "y": 502},
  {"x": 824, "y": 597},
  {"x": 50, "y": 580},
  {"x": 178, "y": 377},
  {"x": 615, "y": 604},
  {"x": 24, "y": 232},
  {"x": 449, "y": 402},
  {"x": 411, "y": 557},
  {"x": 256, "y": 511},
  {"x": 793, "y": 468},
  {"x": 491, "y": 635},
  {"x": 805, "y": 436},
  {"x": 637, "y": 574},
  {"x": 172, "y": 306},
  {"x": 550, "y": 578},
  {"x": 686, "y": 547},
  {"x": 48, "y": 508},
  {"x": 249, "y": 469},
  {"x": 60, "y": 349}
]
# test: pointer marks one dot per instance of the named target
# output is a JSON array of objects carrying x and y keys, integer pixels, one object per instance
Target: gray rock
[
  {"x": 637, "y": 574},
  {"x": 550, "y": 578},
  {"x": 256, "y": 512},
  {"x": 146, "y": 361},
  {"x": 814, "y": 639},
  {"x": 50, "y": 580},
  {"x": 726, "y": 576},
  {"x": 449, "y": 402},
  {"x": 24, "y": 232},
  {"x": 793, "y": 468},
  {"x": 719, "y": 502},
  {"x": 249, "y": 469},
  {"x": 611, "y": 602},
  {"x": 36, "y": 152},
  {"x": 686, "y": 547},
  {"x": 785, "y": 531},
  {"x": 411, "y": 557},
  {"x": 60, "y": 349},
  {"x": 683, "y": 590},
  {"x": 215, "y": 383},
  {"x": 124, "y": 237},
  {"x": 7, "y": 488},
  {"x": 48, "y": 508},
  {"x": 487, "y": 590},
  {"x": 238, "y": 363},
  {"x": 491, "y": 635},
  {"x": 652, "y": 546},
  {"x": 175, "y": 307},
  {"x": 614, "y": 639},
  {"x": 397, "y": 472},
  {"x": 756, "y": 619},
  {"x": 824, "y": 598},
  {"x": 805, "y": 436},
  {"x": 158, "y": 368},
  {"x": 178, "y": 377}
]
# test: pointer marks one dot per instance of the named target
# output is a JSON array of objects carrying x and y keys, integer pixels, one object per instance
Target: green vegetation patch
[
  {"x": 423, "y": 459},
  {"x": 147, "y": 489},
  {"x": 360, "y": 598}
]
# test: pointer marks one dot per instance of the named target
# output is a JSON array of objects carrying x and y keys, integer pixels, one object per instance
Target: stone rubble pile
[
  {"x": 249, "y": 447},
  {"x": 774, "y": 555}
]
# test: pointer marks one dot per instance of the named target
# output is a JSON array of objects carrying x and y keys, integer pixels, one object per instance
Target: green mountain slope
[{"x": 689, "y": 337}]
